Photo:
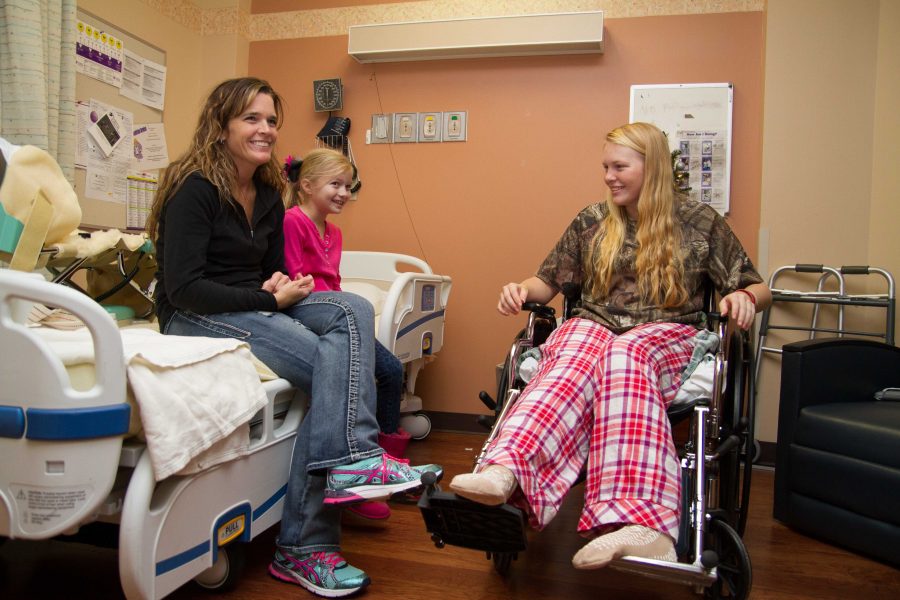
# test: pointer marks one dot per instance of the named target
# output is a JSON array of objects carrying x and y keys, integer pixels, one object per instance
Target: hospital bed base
[{"x": 178, "y": 529}]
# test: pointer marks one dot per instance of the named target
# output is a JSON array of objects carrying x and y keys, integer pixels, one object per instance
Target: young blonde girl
[{"x": 320, "y": 187}]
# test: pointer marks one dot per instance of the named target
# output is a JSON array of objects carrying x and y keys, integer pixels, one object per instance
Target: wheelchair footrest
[
  {"x": 459, "y": 522},
  {"x": 674, "y": 572}
]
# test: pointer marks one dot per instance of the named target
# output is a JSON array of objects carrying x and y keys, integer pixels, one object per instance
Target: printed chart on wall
[
  {"x": 697, "y": 119},
  {"x": 120, "y": 86}
]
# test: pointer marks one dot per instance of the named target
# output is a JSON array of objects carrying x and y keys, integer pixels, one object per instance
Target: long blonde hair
[
  {"x": 318, "y": 163},
  {"x": 211, "y": 158},
  {"x": 659, "y": 262}
]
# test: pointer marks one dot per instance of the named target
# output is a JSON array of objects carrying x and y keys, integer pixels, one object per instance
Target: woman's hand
[
  {"x": 274, "y": 283},
  {"x": 739, "y": 307},
  {"x": 293, "y": 291},
  {"x": 512, "y": 296}
]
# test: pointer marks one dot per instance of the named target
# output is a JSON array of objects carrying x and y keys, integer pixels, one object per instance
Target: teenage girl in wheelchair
[{"x": 638, "y": 262}]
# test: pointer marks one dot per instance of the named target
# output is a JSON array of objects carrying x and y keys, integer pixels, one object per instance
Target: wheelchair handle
[{"x": 541, "y": 310}]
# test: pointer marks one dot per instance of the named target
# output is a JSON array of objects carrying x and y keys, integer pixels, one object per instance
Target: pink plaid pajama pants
[{"x": 600, "y": 398}]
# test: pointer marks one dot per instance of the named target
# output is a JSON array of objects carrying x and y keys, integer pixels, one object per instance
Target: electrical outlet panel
[
  {"x": 455, "y": 125},
  {"x": 406, "y": 126},
  {"x": 430, "y": 126},
  {"x": 382, "y": 131}
]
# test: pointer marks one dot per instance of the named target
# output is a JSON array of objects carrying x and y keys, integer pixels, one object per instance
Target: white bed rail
[
  {"x": 410, "y": 300},
  {"x": 60, "y": 446}
]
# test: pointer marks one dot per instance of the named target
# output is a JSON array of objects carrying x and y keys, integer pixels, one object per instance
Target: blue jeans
[
  {"x": 323, "y": 345},
  {"x": 389, "y": 386}
]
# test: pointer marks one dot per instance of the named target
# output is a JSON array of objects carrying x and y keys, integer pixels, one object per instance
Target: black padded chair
[{"x": 837, "y": 471}]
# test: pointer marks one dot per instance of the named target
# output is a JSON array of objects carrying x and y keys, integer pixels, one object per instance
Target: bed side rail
[{"x": 60, "y": 446}]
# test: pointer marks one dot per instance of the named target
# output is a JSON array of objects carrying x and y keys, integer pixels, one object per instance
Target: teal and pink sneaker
[
  {"x": 322, "y": 573},
  {"x": 374, "y": 478}
]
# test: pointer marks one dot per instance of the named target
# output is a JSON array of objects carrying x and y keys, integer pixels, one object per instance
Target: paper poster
[
  {"x": 105, "y": 178},
  {"x": 98, "y": 54},
  {"x": 143, "y": 81},
  {"x": 704, "y": 158},
  {"x": 141, "y": 193},
  {"x": 150, "y": 151}
]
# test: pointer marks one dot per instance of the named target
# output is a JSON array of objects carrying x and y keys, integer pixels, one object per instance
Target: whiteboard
[{"x": 697, "y": 118}]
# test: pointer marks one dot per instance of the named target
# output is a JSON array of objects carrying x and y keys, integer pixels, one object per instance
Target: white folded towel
[{"x": 192, "y": 392}]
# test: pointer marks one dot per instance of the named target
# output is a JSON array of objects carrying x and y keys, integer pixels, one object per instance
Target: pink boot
[
  {"x": 394, "y": 443},
  {"x": 370, "y": 511}
]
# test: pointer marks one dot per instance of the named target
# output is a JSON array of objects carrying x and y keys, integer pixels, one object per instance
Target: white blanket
[{"x": 193, "y": 392}]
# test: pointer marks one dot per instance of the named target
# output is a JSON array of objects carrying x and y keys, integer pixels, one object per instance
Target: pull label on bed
[{"x": 230, "y": 530}]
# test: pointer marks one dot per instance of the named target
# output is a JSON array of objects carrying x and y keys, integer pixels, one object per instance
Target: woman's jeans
[{"x": 323, "y": 345}]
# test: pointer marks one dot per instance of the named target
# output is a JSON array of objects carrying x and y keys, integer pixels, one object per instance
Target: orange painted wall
[{"x": 488, "y": 210}]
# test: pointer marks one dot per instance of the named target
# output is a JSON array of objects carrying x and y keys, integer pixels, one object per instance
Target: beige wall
[
  {"x": 884, "y": 240},
  {"x": 830, "y": 148}
]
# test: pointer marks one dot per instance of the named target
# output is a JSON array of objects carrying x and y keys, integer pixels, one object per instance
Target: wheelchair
[{"x": 715, "y": 457}]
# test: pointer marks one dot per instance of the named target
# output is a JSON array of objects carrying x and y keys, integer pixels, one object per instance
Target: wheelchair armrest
[{"x": 541, "y": 310}]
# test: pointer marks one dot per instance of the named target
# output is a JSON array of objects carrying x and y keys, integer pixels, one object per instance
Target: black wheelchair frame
[{"x": 716, "y": 472}]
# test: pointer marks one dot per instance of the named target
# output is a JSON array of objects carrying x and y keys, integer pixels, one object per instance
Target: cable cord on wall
[{"x": 374, "y": 77}]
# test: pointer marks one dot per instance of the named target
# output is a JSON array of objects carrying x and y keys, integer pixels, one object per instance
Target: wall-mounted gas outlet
[
  {"x": 382, "y": 129},
  {"x": 455, "y": 124},
  {"x": 405, "y": 127},
  {"x": 430, "y": 126}
]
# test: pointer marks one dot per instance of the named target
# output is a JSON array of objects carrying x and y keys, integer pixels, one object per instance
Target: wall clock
[{"x": 327, "y": 95}]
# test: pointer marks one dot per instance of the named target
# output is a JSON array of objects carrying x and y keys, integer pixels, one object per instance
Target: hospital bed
[
  {"x": 69, "y": 463},
  {"x": 410, "y": 308}
]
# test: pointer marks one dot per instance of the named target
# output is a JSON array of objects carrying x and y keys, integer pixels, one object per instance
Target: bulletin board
[
  {"x": 697, "y": 118},
  {"x": 102, "y": 213}
]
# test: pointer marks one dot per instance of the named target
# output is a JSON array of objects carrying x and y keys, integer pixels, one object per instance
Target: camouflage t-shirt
[{"x": 711, "y": 252}]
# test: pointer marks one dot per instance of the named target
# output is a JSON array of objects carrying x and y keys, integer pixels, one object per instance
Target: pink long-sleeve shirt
[{"x": 308, "y": 253}]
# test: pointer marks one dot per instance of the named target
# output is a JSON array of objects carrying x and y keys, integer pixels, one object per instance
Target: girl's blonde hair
[
  {"x": 208, "y": 155},
  {"x": 318, "y": 163},
  {"x": 659, "y": 260}
]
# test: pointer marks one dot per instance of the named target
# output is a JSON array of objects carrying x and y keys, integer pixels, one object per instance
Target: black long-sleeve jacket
[{"x": 211, "y": 260}]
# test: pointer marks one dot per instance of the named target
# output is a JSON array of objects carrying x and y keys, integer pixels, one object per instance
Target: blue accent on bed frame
[
  {"x": 77, "y": 423},
  {"x": 418, "y": 322},
  {"x": 265, "y": 506},
  {"x": 12, "y": 422}
]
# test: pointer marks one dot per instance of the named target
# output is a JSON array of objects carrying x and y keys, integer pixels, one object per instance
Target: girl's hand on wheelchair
[
  {"x": 738, "y": 307},
  {"x": 512, "y": 296}
]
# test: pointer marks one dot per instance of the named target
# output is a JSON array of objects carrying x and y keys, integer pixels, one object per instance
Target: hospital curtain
[{"x": 37, "y": 76}]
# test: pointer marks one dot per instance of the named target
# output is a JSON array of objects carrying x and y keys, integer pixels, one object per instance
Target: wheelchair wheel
[
  {"x": 735, "y": 467},
  {"x": 735, "y": 575},
  {"x": 543, "y": 327}
]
